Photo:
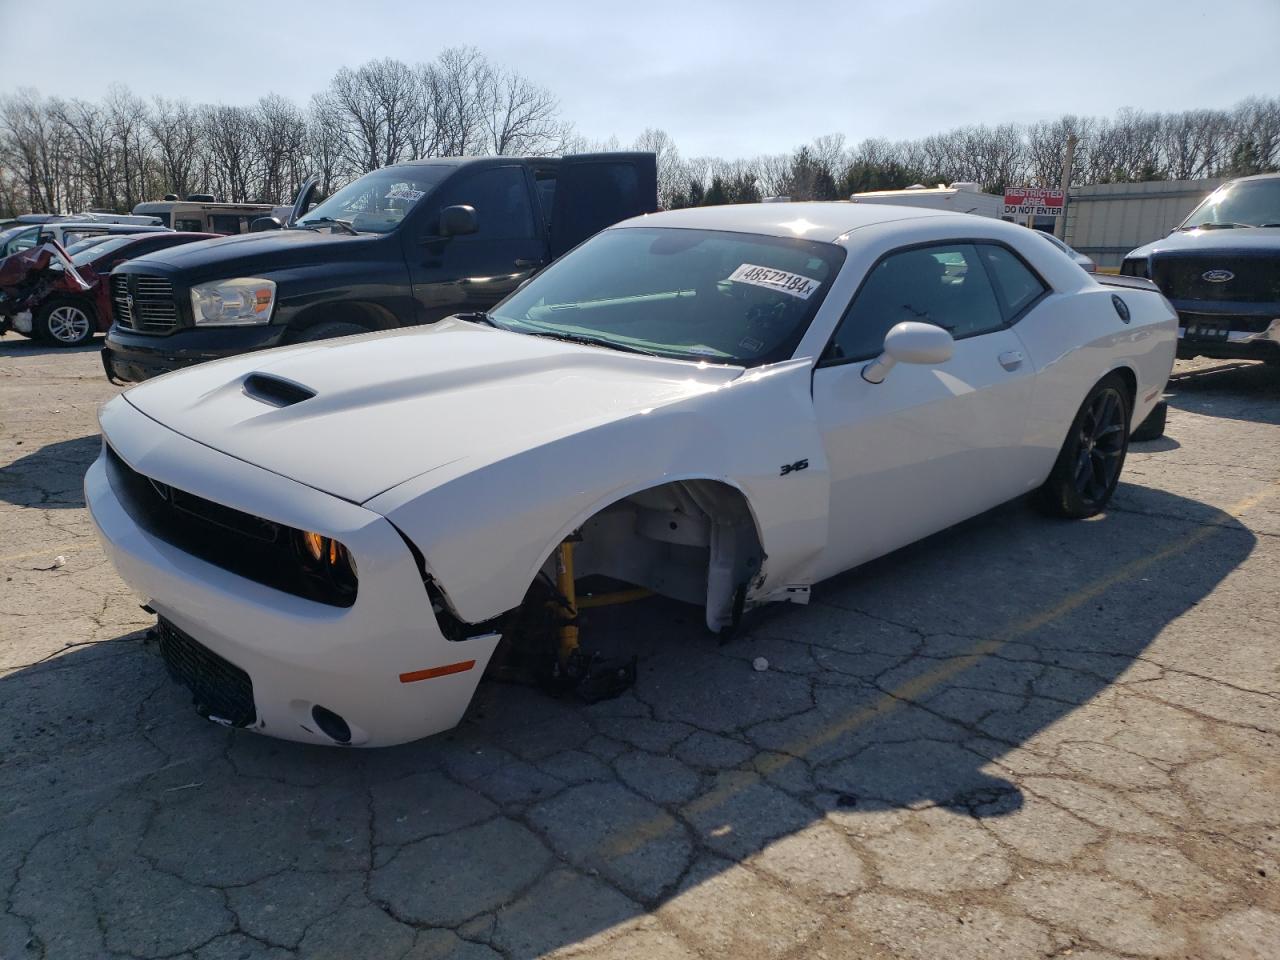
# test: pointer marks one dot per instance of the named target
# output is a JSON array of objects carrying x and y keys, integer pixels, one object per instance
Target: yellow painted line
[{"x": 916, "y": 687}]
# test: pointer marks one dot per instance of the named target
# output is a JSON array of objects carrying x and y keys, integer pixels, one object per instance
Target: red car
[{"x": 40, "y": 299}]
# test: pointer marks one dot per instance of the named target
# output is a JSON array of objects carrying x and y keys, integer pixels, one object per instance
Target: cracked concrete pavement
[{"x": 1019, "y": 738}]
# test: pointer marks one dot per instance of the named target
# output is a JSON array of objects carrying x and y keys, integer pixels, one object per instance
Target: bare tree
[
  {"x": 280, "y": 138},
  {"x": 175, "y": 130},
  {"x": 521, "y": 117}
]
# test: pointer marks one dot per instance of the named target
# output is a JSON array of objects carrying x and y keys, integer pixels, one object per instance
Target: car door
[
  {"x": 930, "y": 445},
  {"x": 596, "y": 190},
  {"x": 474, "y": 271}
]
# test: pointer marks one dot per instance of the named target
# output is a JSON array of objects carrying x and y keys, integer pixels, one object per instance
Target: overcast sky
[{"x": 727, "y": 78}]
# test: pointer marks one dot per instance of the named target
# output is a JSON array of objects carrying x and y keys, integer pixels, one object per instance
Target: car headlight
[
  {"x": 233, "y": 303},
  {"x": 327, "y": 559}
]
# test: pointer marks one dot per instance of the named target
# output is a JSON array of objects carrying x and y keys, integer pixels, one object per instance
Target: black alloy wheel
[{"x": 1088, "y": 467}]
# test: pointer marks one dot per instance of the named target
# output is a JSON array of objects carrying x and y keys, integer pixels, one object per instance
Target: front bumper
[
  {"x": 298, "y": 654},
  {"x": 132, "y": 357},
  {"x": 1228, "y": 334}
]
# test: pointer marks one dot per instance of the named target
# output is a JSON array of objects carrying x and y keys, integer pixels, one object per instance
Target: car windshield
[
  {"x": 378, "y": 201},
  {"x": 1245, "y": 203},
  {"x": 701, "y": 295}
]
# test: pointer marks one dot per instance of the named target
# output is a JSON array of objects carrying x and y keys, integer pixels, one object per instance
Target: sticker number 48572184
[{"x": 780, "y": 280}]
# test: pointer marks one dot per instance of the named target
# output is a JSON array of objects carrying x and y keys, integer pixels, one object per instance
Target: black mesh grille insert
[
  {"x": 220, "y": 689},
  {"x": 249, "y": 546}
]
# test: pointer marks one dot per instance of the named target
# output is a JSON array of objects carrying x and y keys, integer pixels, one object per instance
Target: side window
[
  {"x": 944, "y": 285},
  {"x": 547, "y": 195},
  {"x": 75, "y": 236},
  {"x": 500, "y": 197},
  {"x": 194, "y": 226},
  {"x": 227, "y": 223},
  {"x": 1016, "y": 286},
  {"x": 23, "y": 241}
]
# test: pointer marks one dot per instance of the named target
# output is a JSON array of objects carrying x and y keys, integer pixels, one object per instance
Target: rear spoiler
[{"x": 1133, "y": 283}]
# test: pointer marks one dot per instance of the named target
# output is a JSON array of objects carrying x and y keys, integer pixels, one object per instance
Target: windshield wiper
[
  {"x": 1226, "y": 225},
  {"x": 587, "y": 340},
  {"x": 326, "y": 221}
]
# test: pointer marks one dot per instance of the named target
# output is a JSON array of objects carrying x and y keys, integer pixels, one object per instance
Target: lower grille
[{"x": 221, "y": 690}]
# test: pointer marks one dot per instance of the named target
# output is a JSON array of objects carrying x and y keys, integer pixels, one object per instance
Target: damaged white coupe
[{"x": 722, "y": 406}]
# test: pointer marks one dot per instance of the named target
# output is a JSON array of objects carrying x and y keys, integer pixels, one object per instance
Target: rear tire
[
  {"x": 1088, "y": 467},
  {"x": 1152, "y": 428},
  {"x": 327, "y": 331},
  {"x": 65, "y": 322}
]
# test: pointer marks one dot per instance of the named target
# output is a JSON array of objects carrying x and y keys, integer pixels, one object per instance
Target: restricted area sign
[{"x": 1033, "y": 202}]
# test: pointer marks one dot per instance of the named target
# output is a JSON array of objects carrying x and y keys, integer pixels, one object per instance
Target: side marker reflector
[{"x": 416, "y": 675}]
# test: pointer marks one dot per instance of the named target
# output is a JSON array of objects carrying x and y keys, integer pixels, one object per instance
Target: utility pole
[{"x": 1060, "y": 228}]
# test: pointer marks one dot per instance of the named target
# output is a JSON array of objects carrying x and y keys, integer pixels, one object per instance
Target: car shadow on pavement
[
  {"x": 910, "y": 690},
  {"x": 17, "y": 344},
  {"x": 51, "y": 477},
  {"x": 1234, "y": 389}
]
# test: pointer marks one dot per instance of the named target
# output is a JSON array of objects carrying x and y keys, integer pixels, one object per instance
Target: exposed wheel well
[{"x": 691, "y": 540}]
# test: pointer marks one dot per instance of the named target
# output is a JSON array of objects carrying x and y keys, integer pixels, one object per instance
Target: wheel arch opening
[{"x": 693, "y": 540}]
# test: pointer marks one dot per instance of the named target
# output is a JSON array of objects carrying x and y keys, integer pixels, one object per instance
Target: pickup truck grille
[
  {"x": 143, "y": 303},
  {"x": 1255, "y": 279}
]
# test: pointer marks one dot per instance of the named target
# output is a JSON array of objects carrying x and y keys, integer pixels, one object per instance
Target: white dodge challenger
[{"x": 721, "y": 405}]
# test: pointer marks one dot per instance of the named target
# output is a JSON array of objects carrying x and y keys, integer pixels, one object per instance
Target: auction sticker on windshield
[
  {"x": 405, "y": 193},
  {"x": 790, "y": 283}
]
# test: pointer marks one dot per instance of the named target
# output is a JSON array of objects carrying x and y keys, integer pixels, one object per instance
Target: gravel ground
[{"x": 1019, "y": 738}]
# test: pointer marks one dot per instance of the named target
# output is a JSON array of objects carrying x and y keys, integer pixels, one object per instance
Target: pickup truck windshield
[
  {"x": 378, "y": 201},
  {"x": 1247, "y": 203},
  {"x": 688, "y": 294}
]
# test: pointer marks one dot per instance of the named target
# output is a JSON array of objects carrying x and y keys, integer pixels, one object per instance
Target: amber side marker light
[{"x": 416, "y": 675}]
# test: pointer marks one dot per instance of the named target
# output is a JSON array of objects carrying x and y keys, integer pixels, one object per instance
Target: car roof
[
  {"x": 1256, "y": 176},
  {"x": 825, "y": 221},
  {"x": 110, "y": 227}
]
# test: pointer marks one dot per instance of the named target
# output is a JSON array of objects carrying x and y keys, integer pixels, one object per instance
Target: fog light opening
[{"x": 333, "y": 726}]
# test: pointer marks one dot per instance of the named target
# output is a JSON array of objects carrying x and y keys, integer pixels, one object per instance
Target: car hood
[
  {"x": 249, "y": 251},
  {"x": 1233, "y": 240},
  {"x": 388, "y": 407}
]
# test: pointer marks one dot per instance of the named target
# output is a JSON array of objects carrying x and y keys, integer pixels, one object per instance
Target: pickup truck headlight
[{"x": 233, "y": 303}]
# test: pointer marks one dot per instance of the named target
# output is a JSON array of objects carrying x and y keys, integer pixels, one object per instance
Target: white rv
[{"x": 960, "y": 197}]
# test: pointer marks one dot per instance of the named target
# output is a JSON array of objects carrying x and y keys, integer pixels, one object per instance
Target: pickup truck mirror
[
  {"x": 264, "y": 223},
  {"x": 458, "y": 220}
]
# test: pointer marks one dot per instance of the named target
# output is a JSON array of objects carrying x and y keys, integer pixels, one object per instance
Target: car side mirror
[
  {"x": 458, "y": 220},
  {"x": 261, "y": 224},
  {"x": 910, "y": 342}
]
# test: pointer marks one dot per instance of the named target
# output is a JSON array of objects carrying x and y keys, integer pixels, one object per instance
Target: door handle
[
  {"x": 1011, "y": 359},
  {"x": 528, "y": 263}
]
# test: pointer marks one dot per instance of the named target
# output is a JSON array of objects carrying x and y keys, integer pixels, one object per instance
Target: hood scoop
[{"x": 276, "y": 391}]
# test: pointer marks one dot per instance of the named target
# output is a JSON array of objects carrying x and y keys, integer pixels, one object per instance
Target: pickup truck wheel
[
  {"x": 1088, "y": 467},
  {"x": 327, "y": 331},
  {"x": 1152, "y": 428},
  {"x": 66, "y": 322}
]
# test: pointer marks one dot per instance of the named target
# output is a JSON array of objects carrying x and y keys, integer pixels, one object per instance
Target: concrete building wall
[{"x": 1107, "y": 220}]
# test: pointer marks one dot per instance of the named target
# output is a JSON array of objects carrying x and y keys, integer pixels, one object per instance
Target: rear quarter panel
[{"x": 1076, "y": 338}]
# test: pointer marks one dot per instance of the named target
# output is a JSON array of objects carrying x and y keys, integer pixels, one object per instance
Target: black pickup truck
[
  {"x": 408, "y": 244},
  {"x": 1221, "y": 271}
]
